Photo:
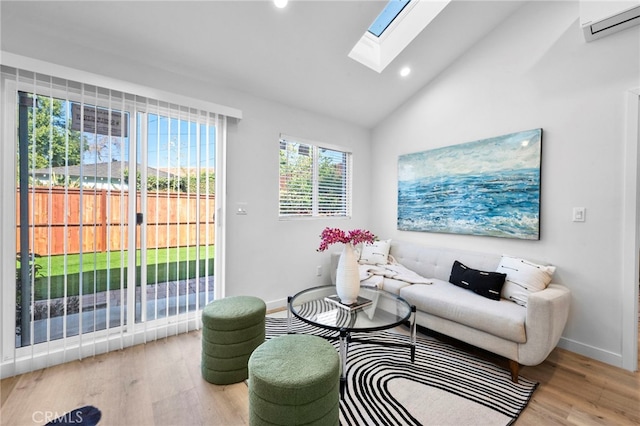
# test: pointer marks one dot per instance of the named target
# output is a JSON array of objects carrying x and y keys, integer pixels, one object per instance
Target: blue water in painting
[{"x": 501, "y": 204}]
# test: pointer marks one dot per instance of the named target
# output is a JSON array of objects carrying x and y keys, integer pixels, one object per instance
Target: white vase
[{"x": 348, "y": 276}]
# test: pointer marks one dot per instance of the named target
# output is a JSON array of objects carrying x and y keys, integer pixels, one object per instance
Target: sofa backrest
[{"x": 436, "y": 262}]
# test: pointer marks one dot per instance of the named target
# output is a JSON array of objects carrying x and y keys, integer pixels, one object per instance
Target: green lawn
[
  {"x": 106, "y": 270},
  {"x": 54, "y": 265}
]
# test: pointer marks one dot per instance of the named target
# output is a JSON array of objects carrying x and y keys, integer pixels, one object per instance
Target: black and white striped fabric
[{"x": 371, "y": 368}]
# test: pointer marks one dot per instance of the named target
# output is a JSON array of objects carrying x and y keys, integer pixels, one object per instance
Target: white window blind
[{"x": 315, "y": 180}]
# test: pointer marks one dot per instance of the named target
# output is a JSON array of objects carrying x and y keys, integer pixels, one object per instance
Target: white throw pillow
[
  {"x": 376, "y": 253},
  {"x": 523, "y": 278}
]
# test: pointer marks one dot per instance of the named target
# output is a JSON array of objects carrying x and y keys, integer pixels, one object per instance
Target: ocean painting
[{"x": 489, "y": 187}]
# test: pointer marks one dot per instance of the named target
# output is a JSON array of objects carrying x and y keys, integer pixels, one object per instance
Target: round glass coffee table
[{"x": 378, "y": 310}]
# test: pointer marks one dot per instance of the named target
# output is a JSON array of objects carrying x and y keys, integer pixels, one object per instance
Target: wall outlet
[{"x": 318, "y": 271}]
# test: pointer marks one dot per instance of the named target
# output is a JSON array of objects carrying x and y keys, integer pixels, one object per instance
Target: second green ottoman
[
  {"x": 231, "y": 329},
  {"x": 294, "y": 380}
]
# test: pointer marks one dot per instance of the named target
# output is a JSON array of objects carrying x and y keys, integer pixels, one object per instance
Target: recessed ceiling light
[
  {"x": 405, "y": 71},
  {"x": 280, "y": 4}
]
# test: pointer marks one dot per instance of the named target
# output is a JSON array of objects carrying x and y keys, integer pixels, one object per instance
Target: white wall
[
  {"x": 534, "y": 71},
  {"x": 268, "y": 257}
]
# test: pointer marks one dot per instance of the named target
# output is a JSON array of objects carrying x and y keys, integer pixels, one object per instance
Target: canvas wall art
[{"x": 489, "y": 187}]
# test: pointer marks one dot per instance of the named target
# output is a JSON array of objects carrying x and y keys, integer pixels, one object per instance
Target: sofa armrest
[{"x": 547, "y": 313}]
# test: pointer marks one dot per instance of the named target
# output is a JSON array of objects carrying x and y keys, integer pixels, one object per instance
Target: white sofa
[{"x": 525, "y": 335}]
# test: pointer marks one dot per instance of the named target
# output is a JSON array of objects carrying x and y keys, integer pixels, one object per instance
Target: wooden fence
[{"x": 172, "y": 220}]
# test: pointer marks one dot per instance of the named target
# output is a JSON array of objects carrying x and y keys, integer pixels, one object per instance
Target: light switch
[{"x": 579, "y": 214}]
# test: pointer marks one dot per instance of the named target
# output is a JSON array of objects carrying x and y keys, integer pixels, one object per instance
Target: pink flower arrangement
[{"x": 334, "y": 235}]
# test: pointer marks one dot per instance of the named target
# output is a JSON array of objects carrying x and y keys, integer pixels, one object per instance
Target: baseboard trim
[
  {"x": 592, "y": 352},
  {"x": 276, "y": 304}
]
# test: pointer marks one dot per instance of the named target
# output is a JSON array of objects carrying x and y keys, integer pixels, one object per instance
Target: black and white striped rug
[{"x": 444, "y": 386}]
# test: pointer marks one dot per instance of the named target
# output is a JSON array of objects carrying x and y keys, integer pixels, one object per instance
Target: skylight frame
[{"x": 378, "y": 52}]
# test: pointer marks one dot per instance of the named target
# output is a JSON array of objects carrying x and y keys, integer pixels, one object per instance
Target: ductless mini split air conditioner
[{"x": 599, "y": 18}]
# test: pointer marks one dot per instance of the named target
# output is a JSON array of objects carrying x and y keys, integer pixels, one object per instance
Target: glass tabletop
[{"x": 320, "y": 306}]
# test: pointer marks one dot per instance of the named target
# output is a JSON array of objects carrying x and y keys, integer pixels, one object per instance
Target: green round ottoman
[
  {"x": 231, "y": 329},
  {"x": 294, "y": 380}
]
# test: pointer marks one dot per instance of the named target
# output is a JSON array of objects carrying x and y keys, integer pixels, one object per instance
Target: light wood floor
[{"x": 159, "y": 383}]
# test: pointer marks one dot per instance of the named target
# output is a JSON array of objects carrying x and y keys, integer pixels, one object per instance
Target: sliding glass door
[
  {"x": 114, "y": 217},
  {"x": 71, "y": 198},
  {"x": 177, "y": 205}
]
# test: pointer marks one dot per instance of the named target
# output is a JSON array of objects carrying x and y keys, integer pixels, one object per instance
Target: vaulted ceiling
[{"x": 296, "y": 56}]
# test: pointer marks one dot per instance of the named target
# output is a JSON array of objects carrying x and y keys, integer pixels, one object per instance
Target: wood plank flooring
[{"x": 159, "y": 383}]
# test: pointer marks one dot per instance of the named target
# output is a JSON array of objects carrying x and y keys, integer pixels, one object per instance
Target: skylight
[
  {"x": 396, "y": 26},
  {"x": 388, "y": 14}
]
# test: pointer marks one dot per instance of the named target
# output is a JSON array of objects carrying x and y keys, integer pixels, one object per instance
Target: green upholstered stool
[
  {"x": 294, "y": 380},
  {"x": 231, "y": 329}
]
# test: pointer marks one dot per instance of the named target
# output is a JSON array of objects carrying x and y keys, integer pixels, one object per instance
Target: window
[
  {"x": 315, "y": 181},
  {"x": 388, "y": 14}
]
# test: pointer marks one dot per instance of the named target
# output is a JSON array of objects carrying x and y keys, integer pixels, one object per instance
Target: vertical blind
[{"x": 114, "y": 230}]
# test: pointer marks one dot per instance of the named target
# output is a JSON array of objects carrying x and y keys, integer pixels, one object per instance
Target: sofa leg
[{"x": 514, "y": 367}]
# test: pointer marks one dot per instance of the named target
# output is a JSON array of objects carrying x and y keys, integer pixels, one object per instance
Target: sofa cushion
[
  {"x": 436, "y": 262},
  {"x": 523, "y": 278},
  {"x": 486, "y": 284},
  {"x": 501, "y": 318},
  {"x": 376, "y": 253}
]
